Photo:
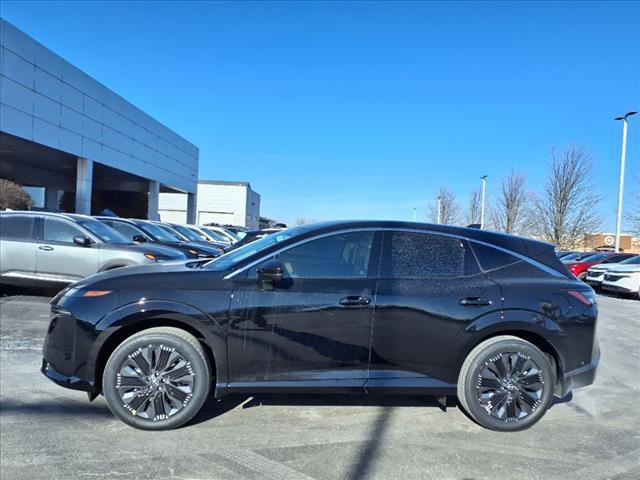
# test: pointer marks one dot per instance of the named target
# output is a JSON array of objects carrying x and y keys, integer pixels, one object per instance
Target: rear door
[
  {"x": 59, "y": 258},
  {"x": 18, "y": 246},
  {"x": 430, "y": 289}
]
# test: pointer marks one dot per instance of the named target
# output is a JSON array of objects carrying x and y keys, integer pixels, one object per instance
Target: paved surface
[{"x": 47, "y": 432}]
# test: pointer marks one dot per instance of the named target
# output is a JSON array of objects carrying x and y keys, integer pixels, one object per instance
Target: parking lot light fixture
[
  {"x": 439, "y": 209},
  {"x": 621, "y": 181}
]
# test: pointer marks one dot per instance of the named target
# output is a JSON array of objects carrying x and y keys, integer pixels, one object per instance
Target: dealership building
[
  {"x": 77, "y": 146},
  {"x": 224, "y": 203}
]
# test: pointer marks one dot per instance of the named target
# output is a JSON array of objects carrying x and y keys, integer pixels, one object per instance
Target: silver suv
[{"x": 37, "y": 247}]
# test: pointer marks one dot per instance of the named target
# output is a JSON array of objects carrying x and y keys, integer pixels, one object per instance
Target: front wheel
[
  {"x": 157, "y": 379},
  {"x": 506, "y": 384}
]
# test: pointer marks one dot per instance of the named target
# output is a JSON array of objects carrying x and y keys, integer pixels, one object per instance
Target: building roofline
[{"x": 224, "y": 182}]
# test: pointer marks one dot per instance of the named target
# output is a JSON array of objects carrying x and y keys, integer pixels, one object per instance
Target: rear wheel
[
  {"x": 506, "y": 384},
  {"x": 157, "y": 379}
]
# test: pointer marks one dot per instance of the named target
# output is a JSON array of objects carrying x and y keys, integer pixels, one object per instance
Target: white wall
[{"x": 224, "y": 203}]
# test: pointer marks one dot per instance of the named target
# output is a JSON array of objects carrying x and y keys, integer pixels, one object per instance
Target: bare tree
[
  {"x": 474, "y": 208},
  {"x": 566, "y": 208},
  {"x": 448, "y": 207},
  {"x": 633, "y": 211},
  {"x": 510, "y": 210},
  {"x": 13, "y": 196}
]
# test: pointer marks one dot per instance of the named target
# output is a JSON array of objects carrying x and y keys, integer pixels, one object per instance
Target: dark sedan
[
  {"x": 347, "y": 307},
  {"x": 142, "y": 231}
]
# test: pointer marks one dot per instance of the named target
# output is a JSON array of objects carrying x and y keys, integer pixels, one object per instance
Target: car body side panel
[{"x": 17, "y": 256}]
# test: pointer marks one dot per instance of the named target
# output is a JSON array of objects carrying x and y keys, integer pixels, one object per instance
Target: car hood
[
  {"x": 625, "y": 269},
  {"x": 603, "y": 268},
  {"x": 142, "y": 274}
]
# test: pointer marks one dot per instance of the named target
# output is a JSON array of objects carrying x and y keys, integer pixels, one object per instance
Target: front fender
[{"x": 133, "y": 316}]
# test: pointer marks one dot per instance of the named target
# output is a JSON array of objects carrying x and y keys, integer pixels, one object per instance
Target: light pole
[
  {"x": 621, "y": 182},
  {"x": 439, "y": 209},
  {"x": 414, "y": 214},
  {"x": 484, "y": 191}
]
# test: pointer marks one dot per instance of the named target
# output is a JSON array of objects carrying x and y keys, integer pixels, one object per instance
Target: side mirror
[
  {"x": 139, "y": 238},
  {"x": 82, "y": 240},
  {"x": 270, "y": 274}
]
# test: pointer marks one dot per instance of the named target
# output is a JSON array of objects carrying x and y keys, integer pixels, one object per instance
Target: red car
[{"x": 579, "y": 268}]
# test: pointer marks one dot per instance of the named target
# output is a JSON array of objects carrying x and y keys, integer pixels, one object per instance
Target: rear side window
[
  {"x": 59, "y": 231},
  {"x": 423, "y": 255},
  {"x": 15, "y": 226},
  {"x": 491, "y": 258}
]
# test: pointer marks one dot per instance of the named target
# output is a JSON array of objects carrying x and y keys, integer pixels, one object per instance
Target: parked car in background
[
  {"x": 207, "y": 237},
  {"x": 215, "y": 236},
  {"x": 575, "y": 256},
  {"x": 40, "y": 247},
  {"x": 493, "y": 319},
  {"x": 579, "y": 267},
  {"x": 193, "y": 236},
  {"x": 253, "y": 235},
  {"x": 562, "y": 254},
  {"x": 595, "y": 274},
  {"x": 143, "y": 231},
  {"x": 230, "y": 235},
  {"x": 624, "y": 278}
]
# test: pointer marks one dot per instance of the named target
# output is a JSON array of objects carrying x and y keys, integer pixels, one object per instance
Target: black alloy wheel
[
  {"x": 506, "y": 384},
  {"x": 157, "y": 379}
]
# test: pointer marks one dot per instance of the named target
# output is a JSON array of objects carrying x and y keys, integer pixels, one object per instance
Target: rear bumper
[{"x": 580, "y": 377}]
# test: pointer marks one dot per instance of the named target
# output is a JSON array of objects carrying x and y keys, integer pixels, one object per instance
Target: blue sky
[{"x": 364, "y": 109}]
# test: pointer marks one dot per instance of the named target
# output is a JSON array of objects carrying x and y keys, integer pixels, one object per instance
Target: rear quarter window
[
  {"x": 491, "y": 258},
  {"x": 18, "y": 227}
]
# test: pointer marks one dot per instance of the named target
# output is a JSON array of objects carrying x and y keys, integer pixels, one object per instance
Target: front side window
[
  {"x": 15, "y": 226},
  {"x": 104, "y": 232},
  {"x": 343, "y": 255},
  {"x": 59, "y": 231},
  {"x": 424, "y": 255},
  {"x": 128, "y": 231}
]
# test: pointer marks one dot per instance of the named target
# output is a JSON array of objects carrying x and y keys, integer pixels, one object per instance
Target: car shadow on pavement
[{"x": 65, "y": 408}]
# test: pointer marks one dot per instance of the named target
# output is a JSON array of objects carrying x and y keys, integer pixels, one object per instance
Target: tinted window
[
  {"x": 594, "y": 258},
  {"x": 344, "y": 255},
  {"x": 104, "y": 232},
  {"x": 59, "y": 231},
  {"x": 422, "y": 255},
  {"x": 615, "y": 259},
  {"x": 125, "y": 229},
  {"x": 491, "y": 258},
  {"x": 186, "y": 232},
  {"x": 631, "y": 261},
  {"x": 157, "y": 233},
  {"x": 14, "y": 226}
]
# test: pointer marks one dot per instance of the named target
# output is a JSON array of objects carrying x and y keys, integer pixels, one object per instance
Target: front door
[
  {"x": 430, "y": 289},
  {"x": 58, "y": 257},
  {"x": 312, "y": 328}
]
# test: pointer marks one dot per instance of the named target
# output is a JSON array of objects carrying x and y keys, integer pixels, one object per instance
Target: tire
[
  {"x": 582, "y": 276},
  {"x": 163, "y": 400},
  {"x": 523, "y": 394}
]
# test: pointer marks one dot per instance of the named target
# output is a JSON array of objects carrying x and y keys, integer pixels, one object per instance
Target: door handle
[
  {"x": 475, "y": 302},
  {"x": 355, "y": 301},
  {"x": 46, "y": 248}
]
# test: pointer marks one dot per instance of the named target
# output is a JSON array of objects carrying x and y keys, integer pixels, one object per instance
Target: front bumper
[
  {"x": 616, "y": 288},
  {"x": 67, "y": 381},
  {"x": 580, "y": 377}
]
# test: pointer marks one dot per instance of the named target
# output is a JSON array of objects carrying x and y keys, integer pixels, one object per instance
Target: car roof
[{"x": 64, "y": 215}]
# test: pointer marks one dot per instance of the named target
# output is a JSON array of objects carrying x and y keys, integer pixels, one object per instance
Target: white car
[
  {"x": 624, "y": 277},
  {"x": 595, "y": 274}
]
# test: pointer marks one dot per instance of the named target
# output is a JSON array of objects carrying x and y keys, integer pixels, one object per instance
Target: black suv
[{"x": 348, "y": 307}]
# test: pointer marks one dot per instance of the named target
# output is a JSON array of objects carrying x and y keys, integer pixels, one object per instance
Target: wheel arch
[{"x": 130, "y": 323}]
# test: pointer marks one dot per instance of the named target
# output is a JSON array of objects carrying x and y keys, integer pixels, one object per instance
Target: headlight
[
  {"x": 156, "y": 258},
  {"x": 79, "y": 292}
]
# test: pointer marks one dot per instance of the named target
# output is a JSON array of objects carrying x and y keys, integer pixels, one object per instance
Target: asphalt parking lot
[{"x": 47, "y": 432}]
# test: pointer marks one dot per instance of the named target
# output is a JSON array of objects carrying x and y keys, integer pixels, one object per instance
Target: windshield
[
  {"x": 229, "y": 260},
  {"x": 215, "y": 235},
  {"x": 631, "y": 261},
  {"x": 171, "y": 232},
  {"x": 104, "y": 232},
  {"x": 157, "y": 233},
  {"x": 187, "y": 233}
]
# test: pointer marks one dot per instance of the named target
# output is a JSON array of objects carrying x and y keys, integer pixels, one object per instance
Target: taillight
[{"x": 586, "y": 297}]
